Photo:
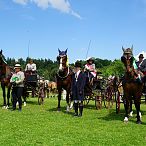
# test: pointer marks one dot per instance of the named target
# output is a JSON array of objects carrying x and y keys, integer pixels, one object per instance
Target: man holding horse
[
  {"x": 17, "y": 80},
  {"x": 78, "y": 84}
]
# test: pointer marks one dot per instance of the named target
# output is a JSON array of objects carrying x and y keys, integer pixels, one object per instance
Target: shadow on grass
[
  {"x": 34, "y": 102},
  {"x": 90, "y": 106},
  {"x": 62, "y": 109},
  {"x": 112, "y": 116}
]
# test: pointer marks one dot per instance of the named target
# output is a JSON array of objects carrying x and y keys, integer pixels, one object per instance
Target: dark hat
[
  {"x": 78, "y": 64},
  {"x": 141, "y": 56}
]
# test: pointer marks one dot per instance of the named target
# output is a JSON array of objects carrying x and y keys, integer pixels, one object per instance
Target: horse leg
[
  {"x": 4, "y": 94},
  {"x": 126, "y": 106},
  {"x": 8, "y": 96},
  {"x": 131, "y": 112},
  {"x": 67, "y": 101},
  {"x": 137, "y": 106},
  {"x": 59, "y": 99}
]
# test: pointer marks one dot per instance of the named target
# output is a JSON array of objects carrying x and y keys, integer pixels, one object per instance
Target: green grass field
[{"x": 42, "y": 125}]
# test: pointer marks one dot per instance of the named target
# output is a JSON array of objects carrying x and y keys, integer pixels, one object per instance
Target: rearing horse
[
  {"x": 131, "y": 87},
  {"x": 5, "y": 75},
  {"x": 64, "y": 78}
]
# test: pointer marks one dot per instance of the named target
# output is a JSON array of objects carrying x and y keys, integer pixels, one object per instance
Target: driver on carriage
[
  {"x": 90, "y": 68},
  {"x": 30, "y": 67},
  {"x": 128, "y": 54}
]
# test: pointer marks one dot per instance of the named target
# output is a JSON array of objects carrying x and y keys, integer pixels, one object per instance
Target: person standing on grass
[
  {"x": 17, "y": 80},
  {"x": 78, "y": 84}
]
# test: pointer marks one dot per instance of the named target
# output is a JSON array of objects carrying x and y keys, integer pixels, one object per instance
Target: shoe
[
  {"x": 20, "y": 110},
  {"x": 76, "y": 114},
  {"x": 13, "y": 109},
  {"x": 4, "y": 107},
  {"x": 80, "y": 115},
  {"x": 7, "y": 107},
  {"x": 24, "y": 103}
]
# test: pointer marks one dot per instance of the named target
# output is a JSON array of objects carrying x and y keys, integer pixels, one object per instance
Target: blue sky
[{"x": 52, "y": 24}]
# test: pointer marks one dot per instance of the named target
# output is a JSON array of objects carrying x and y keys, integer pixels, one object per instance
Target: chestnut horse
[
  {"x": 131, "y": 87},
  {"x": 64, "y": 78},
  {"x": 5, "y": 75}
]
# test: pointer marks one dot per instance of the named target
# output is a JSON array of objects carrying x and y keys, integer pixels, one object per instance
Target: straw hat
[{"x": 17, "y": 66}]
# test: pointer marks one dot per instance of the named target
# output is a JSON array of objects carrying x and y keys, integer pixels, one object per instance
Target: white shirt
[
  {"x": 30, "y": 67},
  {"x": 77, "y": 74}
]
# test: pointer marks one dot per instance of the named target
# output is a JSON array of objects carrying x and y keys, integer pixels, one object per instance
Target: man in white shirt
[{"x": 31, "y": 67}]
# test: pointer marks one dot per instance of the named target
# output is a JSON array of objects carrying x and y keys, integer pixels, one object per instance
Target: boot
[
  {"x": 80, "y": 109},
  {"x": 76, "y": 109}
]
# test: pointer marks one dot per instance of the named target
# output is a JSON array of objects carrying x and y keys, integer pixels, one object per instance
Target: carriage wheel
[{"x": 118, "y": 102}]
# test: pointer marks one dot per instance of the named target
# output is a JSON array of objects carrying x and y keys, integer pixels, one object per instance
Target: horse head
[
  {"x": 127, "y": 59},
  {"x": 62, "y": 59}
]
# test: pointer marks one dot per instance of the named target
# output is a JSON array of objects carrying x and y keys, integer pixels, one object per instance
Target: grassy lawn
[{"x": 44, "y": 126}]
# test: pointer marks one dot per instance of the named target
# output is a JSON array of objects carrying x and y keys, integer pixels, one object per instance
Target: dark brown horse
[
  {"x": 131, "y": 87},
  {"x": 64, "y": 78},
  {"x": 5, "y": 75}
]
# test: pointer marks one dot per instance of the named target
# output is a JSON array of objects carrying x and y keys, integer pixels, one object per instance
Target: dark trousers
[{"x": 16, "y": 96}]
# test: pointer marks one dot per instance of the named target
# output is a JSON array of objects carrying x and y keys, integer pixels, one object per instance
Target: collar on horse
[{"x": 63, "y": 77}]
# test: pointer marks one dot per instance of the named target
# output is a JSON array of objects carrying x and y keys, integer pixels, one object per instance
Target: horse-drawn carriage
[
  {"x": 99, "y": 91},
  {"x": 31, "y": 84}
]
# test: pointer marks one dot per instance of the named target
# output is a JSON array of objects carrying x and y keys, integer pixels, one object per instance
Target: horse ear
[
  {"x": 132, "y": 48},
  {"x": 1, "y": 51},
  {"x": 59, "y": 51},
  {"x": 66, "y": 51},
  {"x": 123, "y": 49}
]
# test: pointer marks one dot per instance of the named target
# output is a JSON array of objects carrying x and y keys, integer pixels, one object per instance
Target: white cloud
[
  {"x": 61, "y": 5},
  {"x": 22, "y": 2}
]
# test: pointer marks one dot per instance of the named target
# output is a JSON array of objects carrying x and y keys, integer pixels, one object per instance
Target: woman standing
[{"x": 17, "y": 80}]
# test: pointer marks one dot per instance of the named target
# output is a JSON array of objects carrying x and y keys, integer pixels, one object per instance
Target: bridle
[{"x": 61, "y": 67}]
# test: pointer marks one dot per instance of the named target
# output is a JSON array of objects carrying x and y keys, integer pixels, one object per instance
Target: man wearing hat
[
  {"x": 139, "y": 62},
  {"x": 142, "y": 64},
  {"x": 17, "y": 80},
  {"x": 78, "y": 84}
]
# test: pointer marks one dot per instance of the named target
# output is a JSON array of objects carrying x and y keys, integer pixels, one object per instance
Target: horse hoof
[
  {"x": 131, "y": 114},
  {"x": 58, "y": 109},
  {"x": 125, "y": 120},
  {"x": 138, "y": 122},
  {"x": 4, "y": 107}
]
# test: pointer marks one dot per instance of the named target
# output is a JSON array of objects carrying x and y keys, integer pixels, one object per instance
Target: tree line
[{"x": 48, "y": 68}]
